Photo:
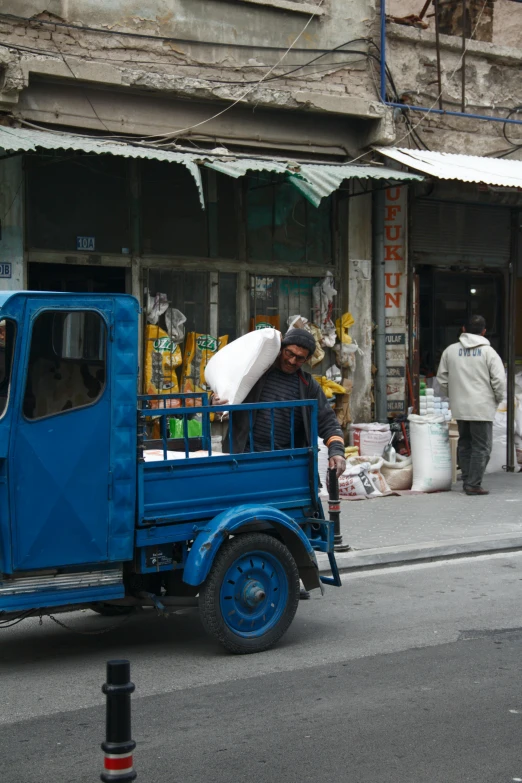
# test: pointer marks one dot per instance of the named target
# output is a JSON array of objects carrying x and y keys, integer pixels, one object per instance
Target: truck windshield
[{"x": 7, "y": 343}]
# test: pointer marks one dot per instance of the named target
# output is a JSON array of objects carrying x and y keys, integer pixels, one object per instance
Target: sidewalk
[{"x": 409, "y": 528}]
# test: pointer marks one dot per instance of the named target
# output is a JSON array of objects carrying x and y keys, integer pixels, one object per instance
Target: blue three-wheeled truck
[{"x": 96, "y": 513}]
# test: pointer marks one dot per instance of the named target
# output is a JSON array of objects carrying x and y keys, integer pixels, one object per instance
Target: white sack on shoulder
[{"x": 233, "y": 371}]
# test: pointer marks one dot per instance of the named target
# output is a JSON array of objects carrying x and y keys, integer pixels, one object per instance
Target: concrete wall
[
  {"x": 220, "y": 50},
  {"x": 493, "y": 87}
]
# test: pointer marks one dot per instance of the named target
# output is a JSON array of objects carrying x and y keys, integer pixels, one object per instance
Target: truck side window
[
  {"x": 7, "y": 343},
  {"x": 67, "y": 362}
]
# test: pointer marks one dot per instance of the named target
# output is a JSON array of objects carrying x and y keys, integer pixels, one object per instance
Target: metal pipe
[
  {"x": 437, "y": 49},
  {"x": 383, "y": 51},
  {"x": 510, "y": 455},
  {"x": 378, "y": 205},
  {"x": 463, "y": 58},
  {"x": 470, "y": 116}
]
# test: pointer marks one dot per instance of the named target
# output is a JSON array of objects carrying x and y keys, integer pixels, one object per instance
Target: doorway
[
  {"x": 77, "y": 279},
  {"x": 447, "y": 299}
]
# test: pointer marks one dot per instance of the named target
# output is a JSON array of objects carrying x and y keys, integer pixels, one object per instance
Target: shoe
[
  {"x": 475, "y": 491},
  {"x": 304, "y": 595}
]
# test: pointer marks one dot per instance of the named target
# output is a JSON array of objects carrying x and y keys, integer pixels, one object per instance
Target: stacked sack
[{"x": 430, "y": 405}]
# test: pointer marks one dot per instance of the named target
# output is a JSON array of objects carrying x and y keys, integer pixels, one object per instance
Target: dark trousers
[{"x": 475, "y": 443}]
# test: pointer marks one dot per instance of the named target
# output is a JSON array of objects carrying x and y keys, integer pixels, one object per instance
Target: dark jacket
[{"x": 328, "y": 427}]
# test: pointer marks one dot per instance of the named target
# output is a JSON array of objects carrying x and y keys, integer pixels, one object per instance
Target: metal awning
[
  {"x": 314, "y": 180},
  {"x": 466, "y": 168}
]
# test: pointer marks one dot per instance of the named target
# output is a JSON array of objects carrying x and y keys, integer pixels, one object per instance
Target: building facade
[{"x": 230, "y": 154}]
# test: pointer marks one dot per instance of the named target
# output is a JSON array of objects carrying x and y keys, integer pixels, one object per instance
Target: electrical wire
[
  {"x": 175, "y": 64},
  {"x": 515, "y": 110},
  {"x": 83, "y": 89}
]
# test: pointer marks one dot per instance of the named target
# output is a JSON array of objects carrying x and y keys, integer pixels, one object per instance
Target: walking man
[{"x": 472, "y": 374}]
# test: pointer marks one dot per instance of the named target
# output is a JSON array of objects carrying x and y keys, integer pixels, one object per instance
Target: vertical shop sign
[{"x": 395, "y": 294}]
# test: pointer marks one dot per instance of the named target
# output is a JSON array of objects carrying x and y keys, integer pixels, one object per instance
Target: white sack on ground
[
  {"x": 398, "y": 475},
  {"x": 361, "y": 481},
  {"x": 370, "y": 439},
  {"x": 498, "y": 458},
  {"x": 430, "y": 452},
  {"x": 233, "y": 371}
]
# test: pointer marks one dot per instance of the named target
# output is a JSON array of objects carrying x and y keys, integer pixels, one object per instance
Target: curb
[{"x": 361, "y": 559}]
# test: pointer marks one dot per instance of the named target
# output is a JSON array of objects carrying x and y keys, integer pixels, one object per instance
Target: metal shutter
[{"x": 450, "y": 233}]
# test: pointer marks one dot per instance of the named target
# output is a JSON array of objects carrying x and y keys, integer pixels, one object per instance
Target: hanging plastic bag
[
  {"x": 322, "y": 298},
  {"x": 175, "y": 321},
  {"x": 329, "y": 335},
  {"x": 156, "y": 306}
]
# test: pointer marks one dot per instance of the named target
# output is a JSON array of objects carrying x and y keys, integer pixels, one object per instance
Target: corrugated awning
[
  {"x": 466, "y": 168},
  {"x": 314, "y": 180}
]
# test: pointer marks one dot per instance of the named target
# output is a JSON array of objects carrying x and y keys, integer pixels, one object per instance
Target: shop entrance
[
  {"x": 447, "y": 299},
  {"x": 76, "y": 279}
]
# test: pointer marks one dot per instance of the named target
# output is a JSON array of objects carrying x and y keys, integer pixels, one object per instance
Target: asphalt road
[{"x": 401, "y": 676}]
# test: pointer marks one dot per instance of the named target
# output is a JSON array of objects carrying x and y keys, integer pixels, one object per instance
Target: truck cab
[{"x": 95, "y": 512}]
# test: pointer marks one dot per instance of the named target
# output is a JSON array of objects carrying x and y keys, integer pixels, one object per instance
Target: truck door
[{"x": 60, "y": 452}]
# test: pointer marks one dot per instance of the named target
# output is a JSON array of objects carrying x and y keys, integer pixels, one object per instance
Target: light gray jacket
[{"x": 471, "y": 373}]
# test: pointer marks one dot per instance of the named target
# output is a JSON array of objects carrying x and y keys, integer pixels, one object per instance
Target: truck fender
[{"x": 240, "y": 519}]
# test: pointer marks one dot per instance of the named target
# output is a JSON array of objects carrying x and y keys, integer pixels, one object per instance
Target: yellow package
[
  {"x": 329, "y": 387},
  {"x": 341, "y": 327},
  {"x": 199, "y": 349},
  {"x": 162, "y": 356}
]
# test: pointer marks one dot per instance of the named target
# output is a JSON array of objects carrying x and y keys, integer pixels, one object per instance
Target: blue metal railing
[{"x": 205, "y": 411}]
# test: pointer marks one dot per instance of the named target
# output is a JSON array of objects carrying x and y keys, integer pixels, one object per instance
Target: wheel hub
[{"x": 253, "y": 593}]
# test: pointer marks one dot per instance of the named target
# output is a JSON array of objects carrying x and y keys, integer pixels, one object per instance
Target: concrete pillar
[
  {"x": 360, "y": 300},
  {"x": 12, "y": 216}
]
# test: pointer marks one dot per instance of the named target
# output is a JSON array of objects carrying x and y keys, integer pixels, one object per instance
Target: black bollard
[
  {"x": 334, "y": 510},
  {"x": 118, "y": 745}
]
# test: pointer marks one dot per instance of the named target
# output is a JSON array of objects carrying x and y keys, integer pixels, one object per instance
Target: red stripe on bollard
[{"x": 119, "y": 763}]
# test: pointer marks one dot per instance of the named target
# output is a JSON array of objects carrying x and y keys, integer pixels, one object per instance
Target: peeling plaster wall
[
  {"x": 493, "y": 88},
  {"x": 188, "y": 69}
]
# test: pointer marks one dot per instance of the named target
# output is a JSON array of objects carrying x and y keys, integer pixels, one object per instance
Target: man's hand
[
  {"x": 217, "y": 401},
  {"x": 339, "y": 463}
]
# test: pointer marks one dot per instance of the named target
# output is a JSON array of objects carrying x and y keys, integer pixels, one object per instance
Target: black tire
[
  {"x": 111, "y": 610},
  {"x": 210, "y": 603}
]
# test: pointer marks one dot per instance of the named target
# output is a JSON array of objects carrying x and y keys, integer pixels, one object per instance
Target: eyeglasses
[{"x": 291, "y": 355}]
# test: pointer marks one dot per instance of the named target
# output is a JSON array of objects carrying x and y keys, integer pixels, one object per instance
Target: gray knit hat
[{"x": 299, "y": 337}]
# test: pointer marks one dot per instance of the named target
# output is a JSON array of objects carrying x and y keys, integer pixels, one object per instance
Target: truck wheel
[{"x": 251, "y": 594}]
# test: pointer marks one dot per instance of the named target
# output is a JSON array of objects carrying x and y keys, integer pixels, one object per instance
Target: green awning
[{"x": 315, "y": 180}]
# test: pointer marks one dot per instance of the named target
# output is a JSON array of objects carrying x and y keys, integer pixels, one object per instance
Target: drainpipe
[{"x": 381, "y": 408}]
